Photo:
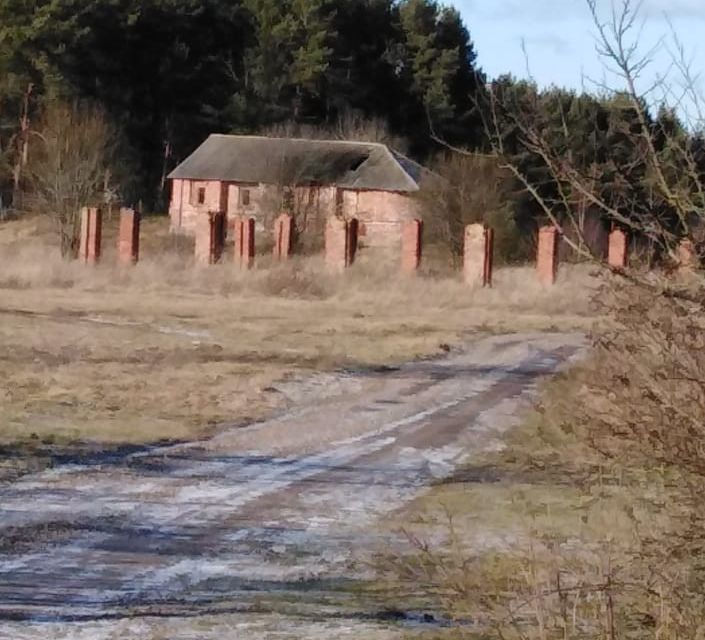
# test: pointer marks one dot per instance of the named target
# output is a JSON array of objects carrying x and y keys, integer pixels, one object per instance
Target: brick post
[
  {"x": 244, "y": 245},
  {"x": 489, "y": 257},
  {"x": 547, "y": 255},
  {"x": 129, "y": 237},
  {"x": 91, "y": 235},
  {"x": 617, "y": 249},
  {"x": 411, "y": 246},
  {"x": 283, "y": 235},
  {"x": 478, "y": 255},
  {"x": 210, "y": 237},
  {"x": 352, "y": 235},
  {"x": 336, "y": 244}
]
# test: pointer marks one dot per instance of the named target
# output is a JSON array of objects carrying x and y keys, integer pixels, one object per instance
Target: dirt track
[{"x": 252, "y": 533}]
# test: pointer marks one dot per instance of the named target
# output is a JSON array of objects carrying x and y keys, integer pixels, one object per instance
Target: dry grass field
[{"x": 168, "y": 351}]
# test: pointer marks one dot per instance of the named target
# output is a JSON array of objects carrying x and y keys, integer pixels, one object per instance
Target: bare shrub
[
  {"x": 468, "y": 189},
  {"x": 651, "y": 183},
  {"x": 626, "y": 430},
  {"x": 69, "y": 168},
  {"x": 351, "y": 125}
]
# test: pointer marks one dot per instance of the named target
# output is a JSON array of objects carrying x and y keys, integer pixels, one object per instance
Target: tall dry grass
[
  {"x": 169, "y": 349},
  {"x": 31, "y": 261}
]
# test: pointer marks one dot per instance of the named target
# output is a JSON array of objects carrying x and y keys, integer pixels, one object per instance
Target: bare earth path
[{"x": 255, "y": 532}]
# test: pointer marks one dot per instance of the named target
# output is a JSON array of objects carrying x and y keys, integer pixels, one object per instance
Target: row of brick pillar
[
  {"x": 91, "y": 238},
  {"x": 341, "y": 238},
  {"x": 479, "y": 251},
  {"x": 210, "y": 239},
  {"x": 617, "y": 253},
  {"x": 547, "y": 252}
]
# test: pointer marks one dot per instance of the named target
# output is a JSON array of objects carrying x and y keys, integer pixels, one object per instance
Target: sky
[{"x": 559, "y": 38}]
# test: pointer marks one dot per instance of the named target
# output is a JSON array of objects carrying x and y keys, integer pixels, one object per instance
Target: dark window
[
  {"x": 288, "y": 200},
  {"x": 201, "y": 195},
  {"x": 245, "y": 197}
]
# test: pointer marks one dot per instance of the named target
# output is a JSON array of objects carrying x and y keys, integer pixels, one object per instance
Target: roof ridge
[{"x": 330, "y": 140}]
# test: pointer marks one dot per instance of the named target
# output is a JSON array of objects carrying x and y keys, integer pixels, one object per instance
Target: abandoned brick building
[{"x": 260, "y": 177}]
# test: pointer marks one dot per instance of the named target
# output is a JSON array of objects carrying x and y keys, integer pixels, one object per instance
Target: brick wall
[
  {"x": 193, "y": 198},
  {"x": 411, "y": 246},
  {"x": 129, "y": 237},
  {"x": 478, "y": 256},
  {"x": 547, "y": 255},
  {"x": 381, "y": 214},
  {"x": 617, "y": 249},
  {"x": 91, "y": 235}
]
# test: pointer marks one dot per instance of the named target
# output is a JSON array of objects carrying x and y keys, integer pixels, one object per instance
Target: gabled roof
[{"x": 287, "y": 161}]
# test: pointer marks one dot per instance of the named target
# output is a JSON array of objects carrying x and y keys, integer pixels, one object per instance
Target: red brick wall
[
  {"x": 244, "y": 241},
  {"x": 283, "y": 235},
  {"x": 185, "y": 208},
  {"x": 547, "y": 257},
  {"x": 617, "y": 249},
  {"x": 210, "y": 236},
  {"x": 381, "y": 214},
  {"x": 337, "y": 244},
  {"x": 411, "y": 246},
  {"x": 91, "y": 235},
  {"x": 129, "y": 237},
  {"x": 478, "y": 255}
]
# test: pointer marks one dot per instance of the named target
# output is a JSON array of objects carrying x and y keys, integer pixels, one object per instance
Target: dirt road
[{"x": 255, "y": 533}]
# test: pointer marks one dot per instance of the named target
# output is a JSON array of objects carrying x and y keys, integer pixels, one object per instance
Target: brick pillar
[
  {"x": 129, "y": 237},
  {"x": 617, "y": 249},
  {"x": 687, "y": 255},
  {"x": 244, "y": 245},
  {"x": 91, "y": 235},
  {"x": 352, "y": 234},
  {"x": 283, "y": 234},
  {"x": 411, "y": 245},
  {"x": 489, "y": 257},
  {"x": 547, "y": 255},
  {"x": 478, "y": 255},
  {"x": 210, "y": 237},
  {"x": 337, "y": 244}
]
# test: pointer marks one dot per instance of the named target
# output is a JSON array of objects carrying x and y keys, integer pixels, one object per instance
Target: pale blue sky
[{"x": 559, "y": 36}]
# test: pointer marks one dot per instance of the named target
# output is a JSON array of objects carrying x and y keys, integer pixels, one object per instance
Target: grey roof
[{"x": 350, "y": 165}]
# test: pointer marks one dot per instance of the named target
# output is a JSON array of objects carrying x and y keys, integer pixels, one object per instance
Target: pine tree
[{"x": 429, "y": 65}]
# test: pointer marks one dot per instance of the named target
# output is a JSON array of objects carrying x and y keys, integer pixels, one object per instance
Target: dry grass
[
  {"x": 169, "y": 351},
  {"x": 498, "y": 542},
  {"x": 589, "y": 523}
]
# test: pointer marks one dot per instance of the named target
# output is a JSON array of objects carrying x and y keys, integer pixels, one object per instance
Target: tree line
[{"x": 166, "y": 73}]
